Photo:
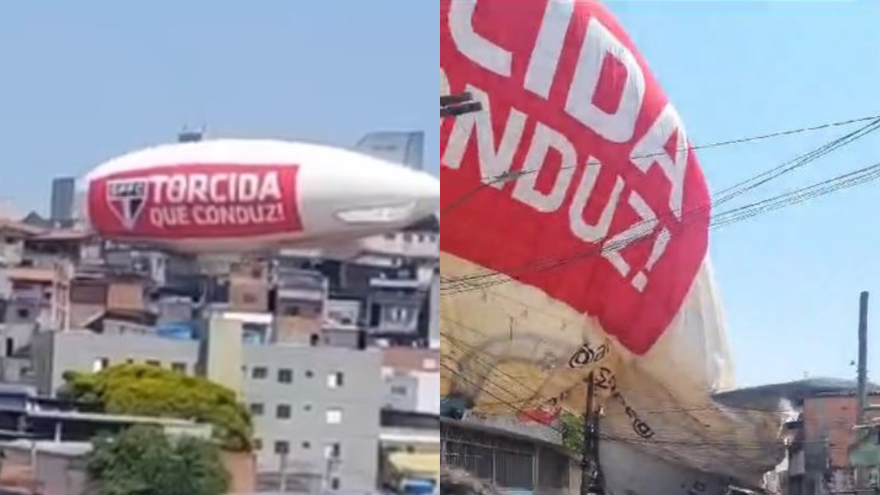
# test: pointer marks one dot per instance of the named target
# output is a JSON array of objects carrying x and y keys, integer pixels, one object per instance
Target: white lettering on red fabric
[{"x": 599, "y": 49}]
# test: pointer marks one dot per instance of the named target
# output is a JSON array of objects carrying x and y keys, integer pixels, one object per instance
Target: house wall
[{"x": 828, "y": 430}]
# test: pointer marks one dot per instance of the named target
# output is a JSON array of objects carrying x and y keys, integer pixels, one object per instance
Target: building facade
[
  {"x": 411, "y": 380},
  {"x": 316, "y": 414},
  {"x": 63, "y": 197},
  {"x": 511, "y": 462}
]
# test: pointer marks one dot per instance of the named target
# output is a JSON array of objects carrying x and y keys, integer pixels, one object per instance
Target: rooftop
[
  {"x": 114, "y": 418},
  {"x": 67, "y": 449},
  {"x": 412, "y": 359},
  {"x": 32, "y": 274}
]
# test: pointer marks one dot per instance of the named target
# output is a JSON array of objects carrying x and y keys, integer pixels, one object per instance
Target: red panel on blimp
[{"x": 189, "y": 201}]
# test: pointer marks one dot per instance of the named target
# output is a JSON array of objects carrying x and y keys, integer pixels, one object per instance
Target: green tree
[
  {"x": 142, "y": 460},
  {"x": 572, "y": 427},
  {"x": 144, "y": 390}
]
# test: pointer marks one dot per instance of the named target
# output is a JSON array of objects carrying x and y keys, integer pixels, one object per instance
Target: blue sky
[
  {"x": 789, "y": 280},
  {"x": 81, "y": 82}
]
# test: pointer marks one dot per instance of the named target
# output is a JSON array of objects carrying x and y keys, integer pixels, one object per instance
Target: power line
[
  {"x": 466, "y": 283},
  {"x": 486, "y": 181},
  {"x": 616, "y": 438},
  {"x": 654, "y": 441},
  {"x": 474, "y": 353},
  {"x": 697, "y": 213}
]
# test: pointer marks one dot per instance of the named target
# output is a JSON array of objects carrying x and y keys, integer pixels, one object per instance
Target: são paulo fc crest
[{"x": 127, "y": 198}]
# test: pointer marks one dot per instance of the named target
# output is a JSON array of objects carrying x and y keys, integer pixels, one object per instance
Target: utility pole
[
  {"x": 861, "y": 475},
  {"x": 586, "y": 448},
  {"x": 863, "y": 357},
  {"x": 591, "y": 475}
]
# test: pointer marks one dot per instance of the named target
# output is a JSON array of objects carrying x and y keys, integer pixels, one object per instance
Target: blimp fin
[{"x": 406, "y": 148}]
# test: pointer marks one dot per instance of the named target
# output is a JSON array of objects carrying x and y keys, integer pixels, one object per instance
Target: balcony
[
  {"x": 342, "y": 314},
  {"x": 395, "y": 284},
  {"x": 297, "y": 278},
  {"x": 294, "y": 284}
]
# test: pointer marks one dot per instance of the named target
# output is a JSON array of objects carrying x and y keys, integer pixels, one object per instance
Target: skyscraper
[{"x": 63, "y": 190}]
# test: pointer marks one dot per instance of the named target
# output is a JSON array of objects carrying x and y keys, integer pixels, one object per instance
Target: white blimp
[{"x": 235, "y": 195}]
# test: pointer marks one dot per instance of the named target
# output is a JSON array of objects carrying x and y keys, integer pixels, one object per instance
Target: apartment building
[{"x": 316, "y": 413}]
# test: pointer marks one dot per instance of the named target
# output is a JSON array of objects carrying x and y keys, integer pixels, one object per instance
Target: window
[
  {"x": 282, "y": 411},
  {"x": 10, "y": 346},
  {"x": 100, "y": 364},
  {"x": 259, "y": 373},
  {"x": 314, "y": 340},
  {"x": 334, "y": 416},
  {"x": 282, "y": 447},
  {"x": 285, "y": 375},
  {"x": 153, "y": 362},
  {"x": 398, "y": 314},
  {"x": 23, "y": 313},
  {"x": 258, "y": 444},
  {"x": 309, "y": 374},
  {"x": 306, "y": 445},
  {"x": 334, "y": 380},
  {"x": 334, "y": 483},
  {"x": 399, "y": 390},
  {"x": 333, "y": 451},
  {"x": 179, "y": 368},
  {"x": 257, "y": 409}
]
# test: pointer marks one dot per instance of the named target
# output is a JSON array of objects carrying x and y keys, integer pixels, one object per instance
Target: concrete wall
[
  {"x": 311, "y": 399},
  {"x": 416, "y": 391},
  {"x": 242, "y": 471},
  {"x": 11, "y": 250},
  {"x": 224, "y": 352},
  {"x": 57, "y": 352},
  {"x": 400, "y": 390},
  {"x": 55, "y": 474}
]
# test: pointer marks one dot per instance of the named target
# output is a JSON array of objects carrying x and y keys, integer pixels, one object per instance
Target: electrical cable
[
  {"x": 728, "y": 194},
  {"x": 465, "y": 283},
  {"x": 828, "y": 125},
  {"x": 474, "y": 353},
  {"x": 652, "y": 441}
]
